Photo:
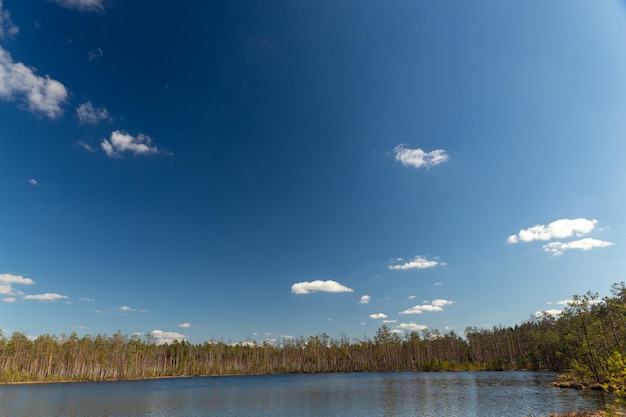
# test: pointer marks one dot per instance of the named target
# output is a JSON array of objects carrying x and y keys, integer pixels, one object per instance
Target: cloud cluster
[
  {"x": 82, "y": 5},
  {"x": 89, "y": 115},
  {"x": 162, "y": 338},
  {"x": 41, "y": 95},
  {"x": 365, "y": 299},
  {"x": 7, "y": 28},
  {"x": 121, "y": 142},
  {"x": 419, "y": 262},
  {"x": 435, "y": 305},
  {"x": 308, "y": 287},
  {"x": 7, "y": 281},
  {"x": 418, "y": 158},
  {"x": 562, "y": 229},
  {"x": 377, "y": 316}
]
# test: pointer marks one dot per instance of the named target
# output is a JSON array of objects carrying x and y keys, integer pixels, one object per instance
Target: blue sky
[{"x": 262, "y": 170}]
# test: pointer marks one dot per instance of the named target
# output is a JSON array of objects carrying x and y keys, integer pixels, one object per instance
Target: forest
[{"x": 586, "y": 340}]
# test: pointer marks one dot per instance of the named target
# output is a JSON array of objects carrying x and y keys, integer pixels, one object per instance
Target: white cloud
[
  {"x": 86, "y": 299},
  {"x": 86, "y": 146},
  {"x": 412, "y": 327},
  {"x": 95, "y": 54},
  {"x": 82, "y": 5},
  {"x": 390, "y": 321},
  {"x": 411, "y": 297},
  {"x": 558, "y": 229},
  {"x": 438, "y": 283},
  {"x": 418, "y": 158},
  {"x": 9, "y": 299},
  {"x": 33, "y": 181},
  {"x": 123, "y": 142},
  {"x": 318, "y": 286},
  {"x": 46, "y": 297},
  {"x": 8, "y": 280},
  {"x": 7, "y": 28},
  {"x": 42, "y": 95},
  {"x": 162, "y": 337},
  {"x": 128, "y": 309},
  {"x": 419, "y": 262},
  {"x": 557, "y": 248},
  {"x": 15, "y": 279},
  {"x": 185, "y": 325},
  {"x": 88, "y": 114},
  {"x": 440, "y": 303},
  {"x": 365, "y": 299},
  {"x": 378, "y": 316},
  {"x": 547, "y": 313},
  {"x": 435, "y": 305}
]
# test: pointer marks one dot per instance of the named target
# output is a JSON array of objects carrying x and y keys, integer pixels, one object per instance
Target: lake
[{"x": 480, "y": 394}]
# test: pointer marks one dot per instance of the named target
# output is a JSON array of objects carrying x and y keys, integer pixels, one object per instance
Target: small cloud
[
  {"x": 87, "y": 299},
  {"x": 51, "y": 297},
  {"x": 7, "y": 28},
  {"x": 378, "y": 316},
  {"x": 162, "y": 338},
  {"x": 548, "y": 313},
  {"x": 88, "y": 114},
  {"x": 42, "y": 95},
  {"x": 557, "y": 248},
  {"x": 418, "y": 158},
  {"x": 128, "y": 309},
  {"x": 435, "y": 305},
  {"x": 558, "y": 229},
  {"x": 9, "y": 299},
  {"x": 390, "y": 321},
  {"x": 33, "y": 181},
  {"x": 95, "y": 54},
  {"x": 319, "y": 286},
  {"x": 120, "y": 142},
  {"x": 185, "y": 325},
  {"x": 411, "y": 327},
  {"x": 411, "y": 297},
  {"x": 365, "y": 299},
  {"x": 419, "y": 262},
  {"x": 438, "y": 284},
  {"x": 86, "y": 146},
  {"x": 82, "y": 5}
]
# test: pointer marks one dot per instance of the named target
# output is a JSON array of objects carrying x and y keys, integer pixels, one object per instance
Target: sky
[{"x": 253, "y": 170}]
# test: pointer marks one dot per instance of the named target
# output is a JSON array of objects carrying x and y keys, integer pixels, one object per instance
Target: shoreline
[{"x": 78, "y": 381}]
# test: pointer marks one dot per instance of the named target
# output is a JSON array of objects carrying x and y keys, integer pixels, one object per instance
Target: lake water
[{"x": 479, "y": 394}]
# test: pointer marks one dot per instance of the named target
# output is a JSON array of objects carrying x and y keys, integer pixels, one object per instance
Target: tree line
[{"x": 582, "y": 339}]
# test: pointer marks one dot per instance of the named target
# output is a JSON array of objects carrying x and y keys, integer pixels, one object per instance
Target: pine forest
[{"x": 586, "y": 340}]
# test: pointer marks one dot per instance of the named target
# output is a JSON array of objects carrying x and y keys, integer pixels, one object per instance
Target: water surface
[{"x": 479, "y": 394}]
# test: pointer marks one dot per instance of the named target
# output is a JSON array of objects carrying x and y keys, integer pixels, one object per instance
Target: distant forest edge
[{"x": 583, "y": 339}]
